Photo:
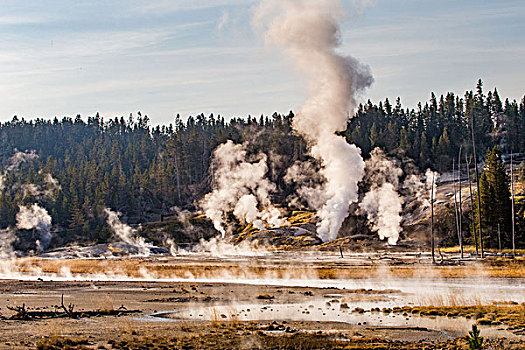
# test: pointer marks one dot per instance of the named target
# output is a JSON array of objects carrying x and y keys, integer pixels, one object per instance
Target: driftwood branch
[
  {"x": 20, "y": 311},
  {"x": 63, "y": 311},
  {"x": 69, "y": 309}
]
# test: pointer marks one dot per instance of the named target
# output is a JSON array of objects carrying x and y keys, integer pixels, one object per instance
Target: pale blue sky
[{"x": 164, "y": 57}]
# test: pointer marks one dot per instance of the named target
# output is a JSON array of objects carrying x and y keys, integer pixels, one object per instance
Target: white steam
[
  {"x": 382, "y": 203},
  {"x": 218, "y": 247},
  {"x": 14, "y": 162},
  {"x": 19, "y": 158},
  {"x": 52, "y": 185},
  {"x": 240, "y": 187},
  {"x": 309, "y": 33},
  {"x": 420, "y": 186},
  {"x": 35, "y": 217},
  {"x": 382, "y": 206},
  {"x": 126, "y": 233},
  {"x": 7, "y": 238},
  {"x": 431, "y": 179},
  {"x": 310, "y": 188}
]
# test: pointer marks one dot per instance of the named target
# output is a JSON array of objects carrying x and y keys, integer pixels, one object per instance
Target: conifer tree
[{"x": 495, "y": 199}]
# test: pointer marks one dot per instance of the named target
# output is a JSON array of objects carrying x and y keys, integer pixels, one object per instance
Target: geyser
[
  {"x": 35, "y": 217},
  {"x": 241, "y": 186},
  {"x": 382, "y": 204},
  {"x": 308, "y": 31}
]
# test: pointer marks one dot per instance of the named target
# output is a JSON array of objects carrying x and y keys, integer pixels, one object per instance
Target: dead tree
[
  {"x": 456, "y": 207},
  {"x": 471, "y": 204},
  {"x": 499, "y": 238},
  {"x": 432, "y": 218},
  {"x": 460, "y": 204},
  {"x": 21, "y": 311},
  {"x": 63, "y": 311},
  {"x": 442, "y": 259},
  {"x": 512, "y": 195},
  {"x": 477, "y": 184},
  {"x": 69, "y": 309}
]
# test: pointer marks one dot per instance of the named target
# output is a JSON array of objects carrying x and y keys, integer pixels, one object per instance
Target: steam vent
[{"x": 263, "y": 174}]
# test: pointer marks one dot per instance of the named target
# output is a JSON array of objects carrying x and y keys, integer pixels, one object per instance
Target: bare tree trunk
[
  {"x": 472, "y": 205},
  {"x": 432, "y": 218},
  {"x": 512, "y": 193},
  {"x": 456, "y": 203},
  {"x": 460, "y": 205},
  {"x": 477, "y": 184},
  {"x": 499, "y": 238}
]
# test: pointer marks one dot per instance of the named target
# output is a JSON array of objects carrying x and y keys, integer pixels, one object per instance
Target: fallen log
[
  {"x": 62, "y": 311},
  {"x": 29, "y": 315}
]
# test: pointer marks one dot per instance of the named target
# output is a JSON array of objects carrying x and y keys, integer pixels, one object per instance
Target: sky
[{"x": 163, "y": 57}]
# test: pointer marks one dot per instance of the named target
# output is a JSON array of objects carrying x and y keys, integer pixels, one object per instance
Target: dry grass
[
  {"x": 62, "y": 343},
  {"x": 472, "y": 249},
  {"x": 510, "y": 314},
  {"x": 494, "y": 267},
  {"x": 251, "y": 336},
  {"x": 450, "y": 299}
]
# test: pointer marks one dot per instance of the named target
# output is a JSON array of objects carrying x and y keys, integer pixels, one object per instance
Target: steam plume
[
  {"x": 309, "y": 33},
  {"x": 431, "y": 187},
  {"x": 35, "y": 217},
  {"x": 382, "y": 203},
  {"x": 240, "y": 186},
  {"x": 420, "y": 186},
  {"x": 49, "y": 187},
  {"x": 19, "y": 158},
  {"x": 126, "y": 233},
  {"x": 7, "y": 238},
  {"x": 307, "y": 177},
  {"x": 14, "y": 162},
  {"x": 52, "y": 185}
]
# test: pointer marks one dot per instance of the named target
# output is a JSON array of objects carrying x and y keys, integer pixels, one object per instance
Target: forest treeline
[{"x": 86, "y": 165}]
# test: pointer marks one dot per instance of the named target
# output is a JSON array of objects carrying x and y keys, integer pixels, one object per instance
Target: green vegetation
[
  {"x": 144, "y": 171},
  {"x": 495, "y": 201},
  {"x": 475, "y": 342}
]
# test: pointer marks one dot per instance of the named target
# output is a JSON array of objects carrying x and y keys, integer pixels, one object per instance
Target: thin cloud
[
  {"x": 169, "y": 6},
  {"x": 223, "y": 21},
  {"x": 14, "y": 20}
]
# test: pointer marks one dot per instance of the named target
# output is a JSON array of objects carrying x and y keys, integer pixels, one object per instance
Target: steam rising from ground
[
  {"x": 126, "y": 233},
  {"x": 7, "y": 238},
  {"x": 14, "y": 162},
  {"x": 35, "y": 217},
  {"x": 240, "y": 186},
  {"x": 382, "y": 203},
  {"x": 218, "y": 247},
  {"x": 309, "y": 33},
  {"x": 420, "y": 186},
  {"x": 19, "y": 158},
  {"x": 28, "y": 217}
]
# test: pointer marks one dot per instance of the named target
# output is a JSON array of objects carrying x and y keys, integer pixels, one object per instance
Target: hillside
[{"x": 75, "y": 168}]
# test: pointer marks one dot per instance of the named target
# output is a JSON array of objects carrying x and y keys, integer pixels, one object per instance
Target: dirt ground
[{"x": 171, "y": 312}]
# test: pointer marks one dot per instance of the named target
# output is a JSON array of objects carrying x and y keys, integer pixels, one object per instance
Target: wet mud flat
[{"x": 262, "y": 311}]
